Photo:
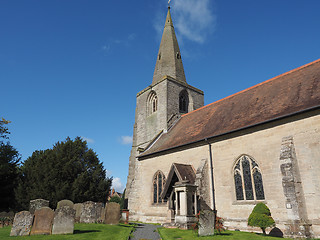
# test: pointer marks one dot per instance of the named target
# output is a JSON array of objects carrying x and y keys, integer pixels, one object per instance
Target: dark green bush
[{"x": 261, "y": 217}]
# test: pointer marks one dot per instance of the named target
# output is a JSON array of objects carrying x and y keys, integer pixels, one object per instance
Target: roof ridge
[{"x": 254, "y": 86}]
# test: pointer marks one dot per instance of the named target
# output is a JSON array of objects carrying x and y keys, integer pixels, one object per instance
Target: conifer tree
[
  {"x": 9, "y": 161},
  {"x": 67, "y": 171}
]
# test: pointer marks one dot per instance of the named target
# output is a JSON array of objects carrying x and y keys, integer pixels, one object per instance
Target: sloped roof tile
[{"x": 284, "y": 95}]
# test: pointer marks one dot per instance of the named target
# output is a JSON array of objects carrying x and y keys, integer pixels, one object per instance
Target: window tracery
[
  {"x": 248, "y": 179},
  {"x": 158, "y": 183}
]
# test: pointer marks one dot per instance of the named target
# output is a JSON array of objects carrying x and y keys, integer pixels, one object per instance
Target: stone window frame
[
  {"x": 254, "y": 167},
  {"x": 183, "y": 101},
  {"x": 155, "y": 183},
  {"x": 152, "y": 103}
]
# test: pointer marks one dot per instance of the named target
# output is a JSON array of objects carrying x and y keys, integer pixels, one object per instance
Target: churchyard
[{"x": 91, "y": 220}]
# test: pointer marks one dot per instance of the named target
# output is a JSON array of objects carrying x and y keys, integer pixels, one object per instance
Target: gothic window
[
  {"x": 248, "y": 179},
  {"x": 183, "y": 101},
  {"x": 158, "y": 183},
  {"x": 152, "y": 103}
]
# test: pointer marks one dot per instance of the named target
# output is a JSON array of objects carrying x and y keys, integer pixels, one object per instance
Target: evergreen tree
[
  {"x": 9, "y": 161},
  {"x": 261, "y": 217},
  {"x": 67, "y": 171}
]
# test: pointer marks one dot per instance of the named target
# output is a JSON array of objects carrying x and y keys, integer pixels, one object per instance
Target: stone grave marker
[
  {"x": 100, "y": 212},
  {"x": 37, "y": 204},
  {"x": 43, "y": 219},
  {"x": 78, "y": 207},
  {"x": 63, "y": 222},
  {"x": 65, "y": 202},
  {"x": 112, "y": 213},
  {"x": 91, "y": 212},
  {"x": 206, "y": 223},
  {"x": 22, "y": 224}
]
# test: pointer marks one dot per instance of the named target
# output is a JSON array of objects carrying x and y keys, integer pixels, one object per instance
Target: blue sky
[{"x": 73, "y": 68}]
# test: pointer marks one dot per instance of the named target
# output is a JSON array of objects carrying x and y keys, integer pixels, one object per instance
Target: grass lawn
[
  {"x": 81, "y": 231},
  {"x": 174, "y": 234}
]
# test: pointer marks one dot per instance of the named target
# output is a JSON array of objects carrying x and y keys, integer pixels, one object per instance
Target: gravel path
[{"x": 146, "y": 232}]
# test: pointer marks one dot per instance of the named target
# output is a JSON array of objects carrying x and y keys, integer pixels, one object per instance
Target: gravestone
[
  {"x": 37, "y": 204},
  {"x": 206, "y": 223},
  {"x": 65, "y": 202},
  {"x": 78, "y": 208},
  {"x": 63, "y": 222},
  {"x": 22, "y": 224},
  {"x": 112, "y": 213},
  {"x": 43, "y": 219},
  {"x": 91, "y": 212},
  {"x": 100, "y": 212}
]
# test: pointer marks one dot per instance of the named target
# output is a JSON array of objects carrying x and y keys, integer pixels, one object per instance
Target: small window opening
[{"x": 183, "y": 102}]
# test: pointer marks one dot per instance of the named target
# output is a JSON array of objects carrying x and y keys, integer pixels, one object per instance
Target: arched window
[
  {"x": 183, "y": 101},
  {"x": 248, "y": 179},
  {"x": 152, "y": 103},
  {"x": 158, "y": 182}
]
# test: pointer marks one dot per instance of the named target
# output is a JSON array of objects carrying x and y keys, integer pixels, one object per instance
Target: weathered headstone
[
  {"x": 100, "y": 212},
  {"x": 206, "y": 223},
  {"x": 22, "y": 224},
  {"x": 37, "y": 204},
  {"x": 43, "y": 219},
  {"x": 78, "y": 207},
  {"x": 112, "y": 213},
  {"x": 65, "y": 202},
  {"x": 63, "y": 222},
  {"x": 91, "y": 212}
]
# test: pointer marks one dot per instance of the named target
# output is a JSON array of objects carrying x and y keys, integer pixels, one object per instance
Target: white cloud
[
  {"x": 108, "y": 173},
  {"x": 193, "y": 19},
  {"x": 89, "y": 140},
  {"x": 126, "y": 140},
  {"x": 113, "y": 42},
  {"x": 117, "y": 185}
]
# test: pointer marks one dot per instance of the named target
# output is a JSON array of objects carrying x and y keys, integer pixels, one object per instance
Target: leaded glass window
[
  {"x": 158, "y": 183},
  {"x": 248, "y": 179}
]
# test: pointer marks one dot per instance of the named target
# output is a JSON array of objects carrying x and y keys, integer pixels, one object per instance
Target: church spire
[{"x": 169, "y": 60}]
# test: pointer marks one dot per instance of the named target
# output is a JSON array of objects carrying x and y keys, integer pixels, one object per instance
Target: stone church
[{"x": 259, "y": 145}]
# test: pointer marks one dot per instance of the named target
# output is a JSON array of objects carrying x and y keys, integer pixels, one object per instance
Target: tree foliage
[
  {"x": 3, "y": 129},
  {"x": 67, "y": 171},
  {"x": 261, "y": 217},
  {"x": 9, "y": 161}
]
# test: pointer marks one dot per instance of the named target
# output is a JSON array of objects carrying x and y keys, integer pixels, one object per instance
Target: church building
[{"x": 259, "y": 145}]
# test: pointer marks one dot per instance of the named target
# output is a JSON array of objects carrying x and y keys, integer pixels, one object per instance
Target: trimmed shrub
[{"x": 261, "y": 217}]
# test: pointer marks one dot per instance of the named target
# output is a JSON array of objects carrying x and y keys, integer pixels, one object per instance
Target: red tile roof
[{"x": 284, "y": 95}]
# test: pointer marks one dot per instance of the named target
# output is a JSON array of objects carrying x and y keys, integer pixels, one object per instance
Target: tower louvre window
[
  {"x": 183, "y": 101},
  {"x": 248, "y": 179},
  {"x": 152, "y": 103}
]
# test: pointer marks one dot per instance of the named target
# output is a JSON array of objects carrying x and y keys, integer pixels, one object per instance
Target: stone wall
[
  {"x": 148, "y": 126},
  {"x": 262, "y": 143}
]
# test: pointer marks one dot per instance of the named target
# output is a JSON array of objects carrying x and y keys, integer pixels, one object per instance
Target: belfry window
[
  {"x": 183, "y": 101},
  {"x": 158, "y": 183},
  {"x": 248, "y": 179},
  {"x": 152, "y": 104}
]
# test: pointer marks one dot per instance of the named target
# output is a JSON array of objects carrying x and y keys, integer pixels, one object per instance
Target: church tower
[{"x": 161, "y": 104}]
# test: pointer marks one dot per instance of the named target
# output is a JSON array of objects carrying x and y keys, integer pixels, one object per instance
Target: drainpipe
[{"x": 212, "y": 180}]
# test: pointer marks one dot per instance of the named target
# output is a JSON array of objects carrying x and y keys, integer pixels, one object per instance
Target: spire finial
[{"x": 169, "y": 4}]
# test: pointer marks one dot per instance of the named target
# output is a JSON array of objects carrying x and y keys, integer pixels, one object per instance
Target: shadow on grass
[
  {"x": 223, "y": 234},
  {"x": 84, "y": 231}
]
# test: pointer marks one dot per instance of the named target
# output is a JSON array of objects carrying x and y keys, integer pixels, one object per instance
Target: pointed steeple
[{"x": 169, "y": 62}]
